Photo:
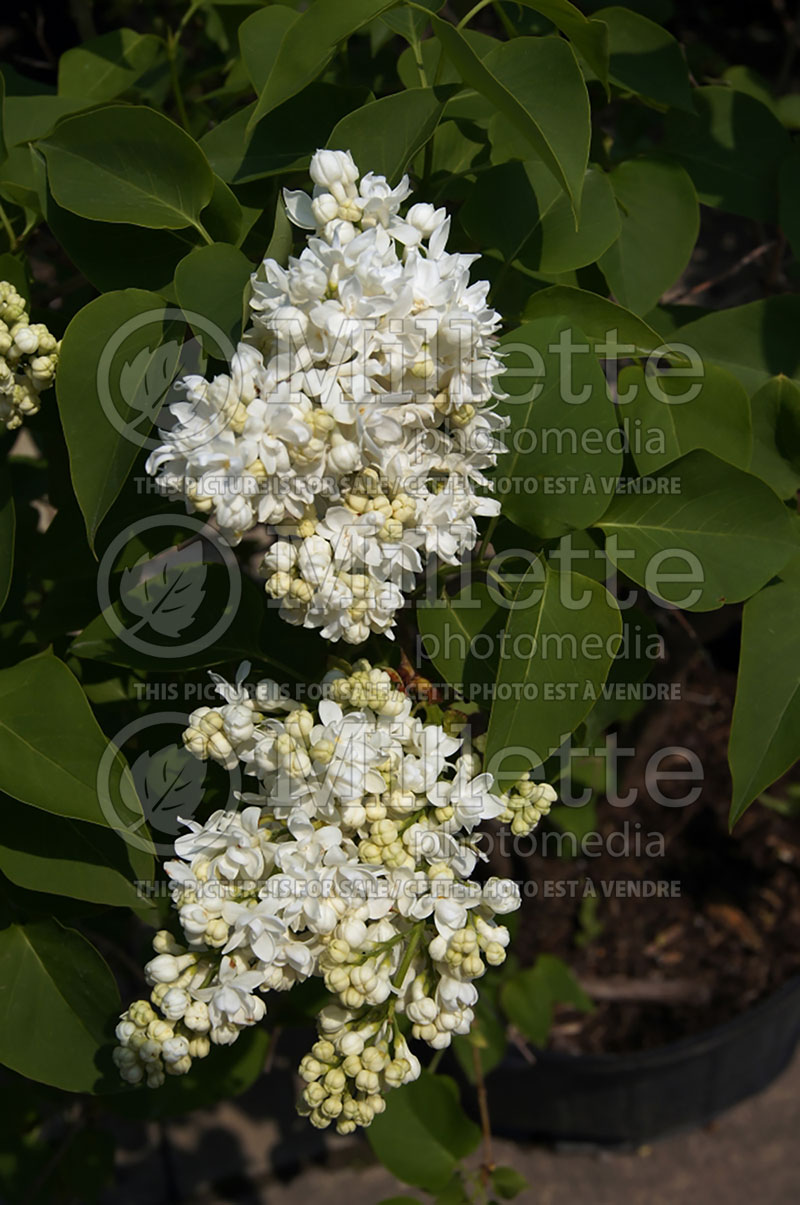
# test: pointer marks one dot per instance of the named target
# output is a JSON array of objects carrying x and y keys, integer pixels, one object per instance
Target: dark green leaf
[
  {"x": 284, "y": 140},
  {"x": 715, "y": 536},
  {"x": 589, "y": 37},
  {"x": 765, "y": 733},
  {"x": 646, "y": 59},
  {"x": 668, "y": 416},
  {"x": 732, "y": 148},
  {"x": 260, "y": 38},
  {"x": 600, "y": 320},
  {"x": 508, "y": 1183},
  {"x": 423, "y": 1132},
  {"x": 385, "y": 135},
  {"x": 789, "y": 199},
  {"x": 222, "y": 217},
  {"x": 211, "y": 282},
  {"x": 776, "y": 436},
  {"x": 65, "y": 857},
  {"x": 110, "y": 387},
  {"x": 306, "y": 47},
  {"x": 564, "y": 452},
  {"x": 660, "y": 223},
  {"x": 105, "y": 67},
  {"x": 461, "y": 634},
  {"x": 537, "y": 84},
  {"x": 52, "y": 751},
  {"x": 562, "y": 634},
  {"x": 58, "y": 1005},
  {"x": 7, "y": 535},
  {"x": 534, "y": 225},
  {"x": 754, "y": 342},
  {"x": 116, "y": 256},
  {"x": 530, "y": 995},
  {"x": 30, "y": 117},
  {"x": 128, "y": 164}
]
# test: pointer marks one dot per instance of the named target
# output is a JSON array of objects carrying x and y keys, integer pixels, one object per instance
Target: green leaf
[
  {"x": 732, "y": 148},
  {"x": 754, "y": 342},
  {"x": 284, "y": 140},
  {"x": 529, "y": 996},
  {"x": 385, "y": 135},
  {"x": 789, "y": 199},
  {"x": 460, "y": 634},
  {"x": 600, "y": 320},
  {"x": 14, "y": 271},
  {"x": 222, "y": 217},
  {"x": 108, "y": 402},
  {"x": 30, "y": 117},
  {"x": 508, "y": 1183},
  {"x": 306, "y": 47},
  {"x": 410, "y": 23},
  {"x": 718, "y": 533},
  {"x": 65, "y": 857},
  {"x": 589, "y": 37},
  {"x": 668, "y": 416},
  {"x": 8, "y": 524},
  {"x": 51, "y": 746},
  {"x": 660, "y": 223},
  {"x": 423, "y": 1132},
  {"x": 538, "y": 85},
  {"x": 562, "y": 634},
  {"x": 3, "y": 146},
  {"x": 128, "y": 164},
  {"x": 776, "y": 436},
  {"x": 765, "y": 732},
  {"x": 58, "y": 1005},
  {"x": 19, "y": 182},
  {"x": 103, "y": 68},
  {"x": 564, "y": 455},
  {"x": 116, "y": 256},
  {"x": 534, "y": 225},
  {"x": 211, "y": 282},
  {"x": 194, "y": 595},
  {"x": 260, "y": 38},
  {"x": 645, "y": 59}
]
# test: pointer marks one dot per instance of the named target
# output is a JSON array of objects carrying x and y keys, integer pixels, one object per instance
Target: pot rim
[{"x": 682, "y": 1049}]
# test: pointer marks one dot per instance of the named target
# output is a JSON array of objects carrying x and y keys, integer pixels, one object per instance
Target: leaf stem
[
  {"x": 487, "y": 1165},
  {"x": 473, "y": 12},
  {"x": 487, "y": 538},
  {"x": 172, "y": 49},
  {"x": 9, "y": 229},
  {"x": 408, "y": 957},
  {"x": 198, "y": 225}
]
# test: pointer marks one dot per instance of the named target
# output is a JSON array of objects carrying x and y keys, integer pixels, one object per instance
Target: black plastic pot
[{"x": 633, "y": 1098}]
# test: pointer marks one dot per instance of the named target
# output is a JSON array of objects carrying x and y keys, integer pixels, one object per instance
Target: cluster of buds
[
  {"x": 526, "y": 803},
  {"x": 346, "y": 1081},
  {"x": 28, "y": 359},
  {"x": 351, "y": 863}
]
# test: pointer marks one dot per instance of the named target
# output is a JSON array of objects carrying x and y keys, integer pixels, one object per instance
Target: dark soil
[{"x": 661, "y": 968}]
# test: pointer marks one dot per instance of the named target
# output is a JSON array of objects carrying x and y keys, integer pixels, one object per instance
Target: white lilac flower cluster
[
  {"x": 357, "y": 419},
  {"x": 28, "y": 359},
  {"x": 350, "y": 862}
]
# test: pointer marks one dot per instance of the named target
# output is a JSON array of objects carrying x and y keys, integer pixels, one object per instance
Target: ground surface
[{"x": 239, "y": 1154}]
